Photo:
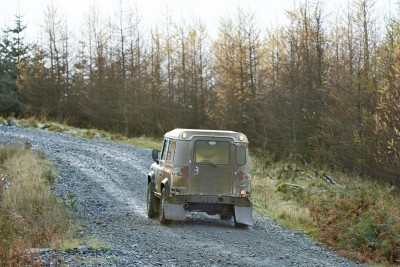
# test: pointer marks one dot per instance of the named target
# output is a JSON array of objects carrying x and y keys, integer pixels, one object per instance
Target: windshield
[{"x": 213, "y": 152}]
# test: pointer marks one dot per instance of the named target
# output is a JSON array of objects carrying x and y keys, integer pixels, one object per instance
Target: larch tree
[
  {"x": 387, "y": 116},
  {"x": 297, "y": 72},
  {"x": 236, "y": 63},
  {"x": 199, "y": 84},
  {"x": 366, "y": 87},
  {"x": 156, "y": 82},
  {"x": 192, "y": 90},
  {"x": 58, "y": 56}
]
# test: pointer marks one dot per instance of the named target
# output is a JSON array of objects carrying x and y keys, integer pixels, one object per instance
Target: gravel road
[{"x": 108, "y": 182}]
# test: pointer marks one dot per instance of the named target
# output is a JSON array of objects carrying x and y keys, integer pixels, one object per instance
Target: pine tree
[{"x": 13, "y": 51}]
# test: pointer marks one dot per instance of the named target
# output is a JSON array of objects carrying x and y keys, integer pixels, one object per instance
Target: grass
[
  {"x": 29, "y": 123},
  {"x": 42, "y": 123},
  {"x": 146, "y": 142},
  {"x": 278, "y": 199},
  {"x": 87, "y": 242},
  {"x": 30, "y": 215}
]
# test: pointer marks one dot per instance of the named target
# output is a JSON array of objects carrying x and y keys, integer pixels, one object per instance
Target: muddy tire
[
  {"x": 225, "y": 217},
  {"x": 162, "y": 210},
  {"x": 150, "y": 201}
]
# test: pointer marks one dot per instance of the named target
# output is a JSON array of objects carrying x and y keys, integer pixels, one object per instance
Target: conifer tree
[{"x": 13, "y": 51}]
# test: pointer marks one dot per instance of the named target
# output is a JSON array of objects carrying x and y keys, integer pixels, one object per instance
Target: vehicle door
[
  {"x": 169, "y": 160},
  {"x": 211, "y": 169},
  {"x": 158, "y": 171}
]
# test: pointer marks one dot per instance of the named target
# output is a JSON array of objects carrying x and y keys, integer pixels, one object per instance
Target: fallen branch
[
  {"x": 325, "y": 176},
  {"x": 329, "y": 179}
]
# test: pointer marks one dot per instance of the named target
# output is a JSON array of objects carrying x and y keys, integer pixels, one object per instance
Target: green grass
[
  {"x": 270, "y": 199},
  {"x": 87, "y": 242},
  {"x": 145, "y": 142}
]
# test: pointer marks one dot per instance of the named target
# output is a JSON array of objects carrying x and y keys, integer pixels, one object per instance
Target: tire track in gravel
[
  {"x": 109, "y": 183},
  {"x": 115, "y": 188}
]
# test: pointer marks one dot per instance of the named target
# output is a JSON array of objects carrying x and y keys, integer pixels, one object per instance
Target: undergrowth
[
  {"x": 357, "y": 217},
  {"x": 30, "y": 215}
]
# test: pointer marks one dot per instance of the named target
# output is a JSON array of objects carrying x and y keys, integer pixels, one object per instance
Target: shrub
[
  {"x": 362, "y": 221},
  {"x": 357, "y": 217}
]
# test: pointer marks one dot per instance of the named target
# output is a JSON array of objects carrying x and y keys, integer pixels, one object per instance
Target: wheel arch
[
  {"x": 164, "y": 184},
  {"x": 151, "y": 178}
]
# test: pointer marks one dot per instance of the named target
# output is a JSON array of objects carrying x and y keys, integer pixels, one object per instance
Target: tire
[
  {"x": 225, "y": 216},
  {"x": 162, "y": 218},
  {"x": 150, "y": 200}
]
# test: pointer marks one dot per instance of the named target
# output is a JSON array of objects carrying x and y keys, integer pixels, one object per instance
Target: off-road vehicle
[{"x": 200, "y": 171}]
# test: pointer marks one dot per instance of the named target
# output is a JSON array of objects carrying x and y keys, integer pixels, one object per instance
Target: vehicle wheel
[
  {"x": 225, "y": 216},
  {"x": 162, "y": 211},
  {"x": 150, "y": 200}
]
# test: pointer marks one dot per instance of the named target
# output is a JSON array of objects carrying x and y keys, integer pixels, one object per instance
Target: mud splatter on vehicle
[{"x": 203, "y": 171}]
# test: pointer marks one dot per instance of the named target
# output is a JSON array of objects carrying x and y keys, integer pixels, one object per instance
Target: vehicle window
[
  {"x": 214, "y": 152},
  {"x": 171, "y": 151},
  {"x": 164, "y": 150},
  {"x": 240, "y": 155}
]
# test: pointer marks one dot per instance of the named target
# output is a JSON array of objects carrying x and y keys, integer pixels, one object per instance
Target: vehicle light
[
  {"x": 184, "y": 135},
  {"x": 241, "y": 138},
  {"x": 242, "y": 192}
]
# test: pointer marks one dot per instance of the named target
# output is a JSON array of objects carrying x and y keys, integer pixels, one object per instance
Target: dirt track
[{"x": 108, "y": 182}]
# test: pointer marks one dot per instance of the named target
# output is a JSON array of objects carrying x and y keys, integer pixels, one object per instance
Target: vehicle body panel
[{"x": 203, "y": 170}]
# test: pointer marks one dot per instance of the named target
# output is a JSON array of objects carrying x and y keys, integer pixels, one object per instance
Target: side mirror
[{"x": 154, "y": 155}]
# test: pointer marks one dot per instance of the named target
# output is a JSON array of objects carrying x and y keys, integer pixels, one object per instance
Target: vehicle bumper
[
  {"x": 177, "y": 205},
  {"x": 211, "y": 199}
]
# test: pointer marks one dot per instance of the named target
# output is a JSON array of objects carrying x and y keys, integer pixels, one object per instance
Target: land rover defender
[{"x": 201, "y": 171}]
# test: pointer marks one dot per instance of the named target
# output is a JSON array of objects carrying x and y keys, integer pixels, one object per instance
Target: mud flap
[
  {"x": 244, "y": 215},
  {"x": 174, "y": 212}
]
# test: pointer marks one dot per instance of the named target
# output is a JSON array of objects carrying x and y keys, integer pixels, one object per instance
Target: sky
[
  {"x": 151, "y": 11},
  {"x": 267, "y": 12}
]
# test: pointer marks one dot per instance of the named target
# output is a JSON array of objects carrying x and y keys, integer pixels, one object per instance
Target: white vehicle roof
[{"x": 187, "y": 134}]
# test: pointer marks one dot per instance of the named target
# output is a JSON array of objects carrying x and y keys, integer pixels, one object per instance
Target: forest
[{"x": 324, "y": 88}]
